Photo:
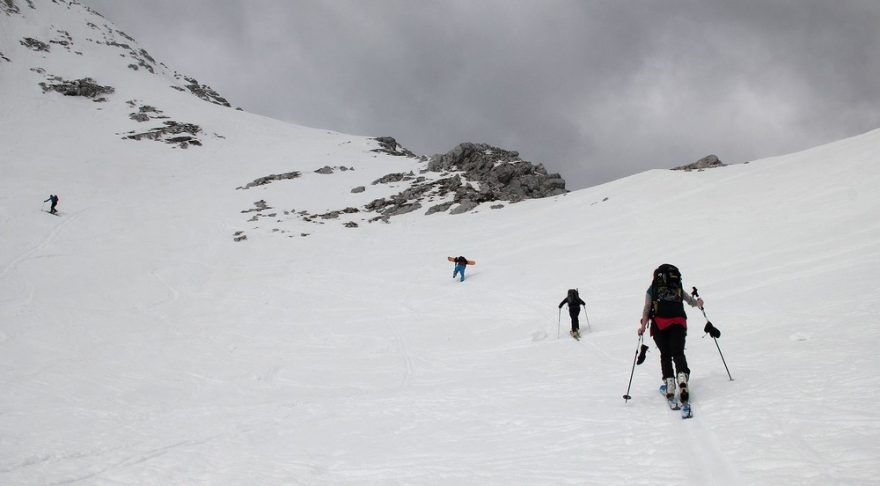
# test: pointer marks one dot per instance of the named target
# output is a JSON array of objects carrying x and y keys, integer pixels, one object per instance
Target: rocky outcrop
[
  {"x": 258, "y": 206},
  {"x": 465, "y": 178},
  {"x": 330, "y": 170},
  {"x": 64, "y": 39},
  {"x": 205, "y": 92},
  {"x": 500, "y": 174},
  {"x": 9, "y": 7},
  {"x": 483, "y": 174},
  {"x": 708, "y": 162},
  {"x": 388, "y": 145},
  {"x": 261, "y": 181},
  {"x": 396, "y": 177},
  {"x": 85, "y": 87},
  {"x": 180, "y": 134},
  {"x": 144, "y": 113},
  {"x": 34, "y": 44}
]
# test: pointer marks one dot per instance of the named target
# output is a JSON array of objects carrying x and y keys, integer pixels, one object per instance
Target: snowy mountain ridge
[
  {"x": 141, "y": 344},
  {"x": 71, "y": 50}
]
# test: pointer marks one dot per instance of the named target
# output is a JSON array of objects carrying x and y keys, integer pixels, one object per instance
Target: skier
[
  {"x": 574, "y": 309},
  {"x": 663, "y": 306},
  {"x": 54, "y": 199},
  {"x": 460, "y": 264}
]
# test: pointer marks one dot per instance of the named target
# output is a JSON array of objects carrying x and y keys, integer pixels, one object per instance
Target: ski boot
[
  {"x": 683, "y": 394},
  {"x": 668, "y": 388}
]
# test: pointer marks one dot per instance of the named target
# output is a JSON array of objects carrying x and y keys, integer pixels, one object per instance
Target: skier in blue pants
[{"x": 460, "y": 264}]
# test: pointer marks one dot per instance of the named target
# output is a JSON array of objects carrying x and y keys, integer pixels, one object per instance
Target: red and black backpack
[{"x": 666, "y": 292}]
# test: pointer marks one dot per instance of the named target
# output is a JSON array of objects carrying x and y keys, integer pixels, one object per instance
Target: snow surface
[{"x": 139, "y": 344}]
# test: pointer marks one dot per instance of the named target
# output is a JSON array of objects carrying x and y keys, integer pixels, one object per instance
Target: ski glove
[
  {"x": 641, "y": 358},
  {"x": 712, "y": 330}
]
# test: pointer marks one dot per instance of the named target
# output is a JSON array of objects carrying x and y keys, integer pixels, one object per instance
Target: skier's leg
[
  {"x": 676, "y": 340},
  {"x": 677, "y": 335},
  {"x": 575, "y": 324},
  {"x": 462, "y": 273},
  {"x": 661, "y": 339}
]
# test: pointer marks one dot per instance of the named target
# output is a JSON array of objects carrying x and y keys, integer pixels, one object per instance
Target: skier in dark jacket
[
  {"x": 460, "y": 264},
  {"x": 54, "y": 199},
  {"x": 664, "y": 309},
  {"x": 574, "y": 309}
]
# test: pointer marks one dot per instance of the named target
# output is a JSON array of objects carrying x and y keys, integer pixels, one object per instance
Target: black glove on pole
[
  {"x": 626, "y": 397},
  {"x": 712, "y": 331}
]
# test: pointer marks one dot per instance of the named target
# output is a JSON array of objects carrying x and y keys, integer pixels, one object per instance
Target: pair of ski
[
  {"x": 576, "y": 335},
  {"x": 674, "y": 404}
]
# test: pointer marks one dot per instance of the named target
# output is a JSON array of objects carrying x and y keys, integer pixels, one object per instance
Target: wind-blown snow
[{"x": 139, "y": 344}]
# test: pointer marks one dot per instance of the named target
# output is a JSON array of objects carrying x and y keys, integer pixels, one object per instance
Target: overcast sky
[{"x": 595, "y": 90}]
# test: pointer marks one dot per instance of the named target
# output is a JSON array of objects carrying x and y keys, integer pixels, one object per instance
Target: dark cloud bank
[{"x": 595, "y": 90}]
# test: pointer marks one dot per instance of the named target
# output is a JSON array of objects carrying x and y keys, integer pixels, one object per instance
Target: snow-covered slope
[{"x": 140, "y": 344}]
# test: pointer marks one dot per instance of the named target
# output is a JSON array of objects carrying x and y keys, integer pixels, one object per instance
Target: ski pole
[
  {"x": 588, "y": 319},
  {"x": 709, "y": 330},
  {"x": 558, "y": 322},
  {"x": 626, "y": 397},
  {"x": 722, "y": 358}
]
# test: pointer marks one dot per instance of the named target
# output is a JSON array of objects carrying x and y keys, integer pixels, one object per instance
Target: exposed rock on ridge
[
  {"x": 486, "y": 174},
  {"x": 463, "y": 179},
  {"x": 501, "y": 174},
  {"x": 708, "y": 162},
  {"x": 389, "y": 145}
]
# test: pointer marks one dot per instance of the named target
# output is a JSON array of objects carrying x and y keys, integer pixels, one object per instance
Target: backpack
[
  {"x": 666, "y": 292},
  {"x": 573, "y": 297},
  {"x": 461, "y": 260}
]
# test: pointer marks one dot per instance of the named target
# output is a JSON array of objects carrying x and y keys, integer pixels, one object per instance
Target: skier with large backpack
[
  {"x": 460, "y": 264},
  {"x": 574, "y": 309},
  {"x": 665, "y": 309}
]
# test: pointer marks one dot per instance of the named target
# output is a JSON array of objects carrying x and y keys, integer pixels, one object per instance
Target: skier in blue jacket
[{"x": 460, "y": 264}]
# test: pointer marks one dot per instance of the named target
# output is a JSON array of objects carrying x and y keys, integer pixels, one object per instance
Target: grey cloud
[{"x": 593, "y": 89}]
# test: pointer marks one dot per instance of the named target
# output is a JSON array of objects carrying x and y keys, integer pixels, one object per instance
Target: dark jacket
[{"x": 574, "y": 303}]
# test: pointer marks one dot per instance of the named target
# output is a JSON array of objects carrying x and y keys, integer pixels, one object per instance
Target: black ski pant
[
  {"x": 574, "y": 312},
  {"x": 670, "y": 342}
]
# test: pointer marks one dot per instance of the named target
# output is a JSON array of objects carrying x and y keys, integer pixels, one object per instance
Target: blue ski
[
  {"x": 686, "y": 411},
  {"x": 672, "y": 402}
]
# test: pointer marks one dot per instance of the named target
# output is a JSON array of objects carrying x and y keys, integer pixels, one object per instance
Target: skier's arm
[
  {"x": 691, "y": 300},
  {"x": 581, "y": 302},
  {"x": 646, "y": 311},
  {"x": 649, "y": 303},
  {"x": 563, "y": 302}
]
